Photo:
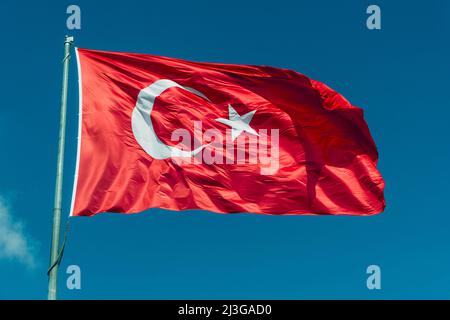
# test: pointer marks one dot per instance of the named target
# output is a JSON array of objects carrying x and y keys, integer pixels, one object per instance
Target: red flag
[{"x": 159, "y": 132}]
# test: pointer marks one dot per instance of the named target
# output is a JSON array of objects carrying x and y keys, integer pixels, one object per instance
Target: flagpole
[{"x": 54, "y": 253}]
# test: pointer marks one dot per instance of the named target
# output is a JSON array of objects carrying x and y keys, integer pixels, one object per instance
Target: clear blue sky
[{"x": 398, "y": 75}]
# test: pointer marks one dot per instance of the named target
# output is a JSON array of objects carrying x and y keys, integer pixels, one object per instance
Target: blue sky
[{"x": 398, "y": 75}]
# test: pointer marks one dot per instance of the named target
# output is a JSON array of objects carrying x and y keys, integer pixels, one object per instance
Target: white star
[{"x": 238, "y": 123}]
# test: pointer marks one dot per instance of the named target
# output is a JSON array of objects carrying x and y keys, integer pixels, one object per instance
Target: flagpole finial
[{"x": 68, "y": 39}]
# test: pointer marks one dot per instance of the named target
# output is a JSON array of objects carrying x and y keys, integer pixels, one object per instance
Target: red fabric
[{"x": 327, "y": 162}]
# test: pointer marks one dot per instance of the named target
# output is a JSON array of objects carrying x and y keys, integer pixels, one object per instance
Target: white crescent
[{"x": 142, "y": 126}]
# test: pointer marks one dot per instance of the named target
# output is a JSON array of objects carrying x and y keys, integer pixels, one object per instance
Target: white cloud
[{"x": 14, "y": 244}]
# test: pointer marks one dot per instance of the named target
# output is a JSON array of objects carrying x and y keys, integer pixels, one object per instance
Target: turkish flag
[{"x": 159, "y": 132}]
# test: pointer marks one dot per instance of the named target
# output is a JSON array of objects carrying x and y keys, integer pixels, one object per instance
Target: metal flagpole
[{"x": 54, "y": 254}]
